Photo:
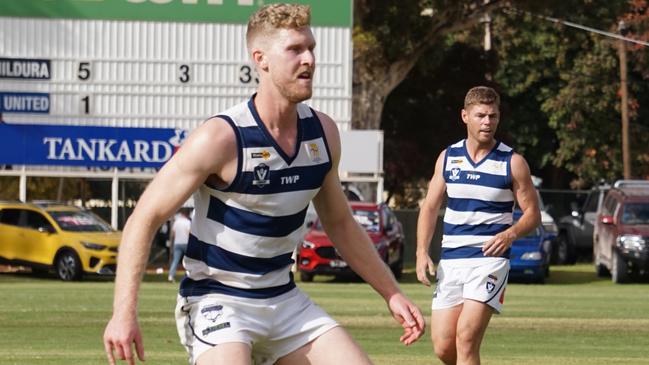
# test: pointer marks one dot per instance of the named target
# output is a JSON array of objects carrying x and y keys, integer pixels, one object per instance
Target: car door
[
  {"x": 606, "y": 232},
  {"x": 10, "y": 233},
  {"x": 38, "y": 237}
]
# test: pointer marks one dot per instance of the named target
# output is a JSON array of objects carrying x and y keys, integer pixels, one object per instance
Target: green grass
[{"x": 575, "y": 318}]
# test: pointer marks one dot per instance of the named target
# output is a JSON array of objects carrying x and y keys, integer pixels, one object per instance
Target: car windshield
[
  {"x": 636, "y": 213},
  {"x": 368, "y": 219},
  {"x": 80, "y": 222}
]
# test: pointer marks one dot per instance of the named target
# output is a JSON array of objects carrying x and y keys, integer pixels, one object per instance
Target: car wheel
[
  {"x": 306, "y": 277},
  {"x": 68, "y": 266},
  {"x": 619, "y": 269},
  {"x": 565, "y": 251}
]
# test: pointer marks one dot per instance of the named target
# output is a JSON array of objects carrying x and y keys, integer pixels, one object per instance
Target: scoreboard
[{"x": 150, "y": 63}]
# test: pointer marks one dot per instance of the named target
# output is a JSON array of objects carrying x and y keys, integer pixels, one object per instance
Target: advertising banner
[
  {"x": 332, "y": 13},
  {"x": 32, "y": 144}
]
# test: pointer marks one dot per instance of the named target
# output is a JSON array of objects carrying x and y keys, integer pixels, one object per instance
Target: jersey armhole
[
  {"x": 444, "y": 166},
  {"x": 237, "y": 135}
]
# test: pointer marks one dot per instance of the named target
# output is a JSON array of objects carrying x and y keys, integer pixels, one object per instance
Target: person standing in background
[{"x": 179, "y": 239}]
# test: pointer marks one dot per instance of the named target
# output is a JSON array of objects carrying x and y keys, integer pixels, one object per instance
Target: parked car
[
  {"x": 621, "y": 238},
  {"x": 318, "y": 256},
  {"x": 70, "y": 240},
  {"x": 575, "y": 237},
  {"x": 530, "y": 255}
]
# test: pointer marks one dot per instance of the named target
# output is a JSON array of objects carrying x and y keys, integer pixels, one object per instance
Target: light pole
[{"x": 626, "y": 159}]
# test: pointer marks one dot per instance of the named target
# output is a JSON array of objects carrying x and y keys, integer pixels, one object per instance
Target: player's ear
[{"x": 260, "y": 58}]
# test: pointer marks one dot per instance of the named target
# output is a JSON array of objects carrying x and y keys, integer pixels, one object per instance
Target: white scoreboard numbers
[{"x": 150, "y": 63}]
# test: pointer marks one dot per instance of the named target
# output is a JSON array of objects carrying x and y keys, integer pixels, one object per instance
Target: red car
[
  {"x": 621, "y": 237},
  {"x": 318, "y": 256}
]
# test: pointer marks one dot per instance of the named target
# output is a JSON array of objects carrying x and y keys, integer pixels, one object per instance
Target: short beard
[{"x": 295, "y": 94}]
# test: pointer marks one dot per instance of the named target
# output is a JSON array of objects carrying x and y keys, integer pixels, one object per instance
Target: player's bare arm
[
  {"x": 208, "y": 153},
  {"x": 355, "y": 246},
  {"x": 427, "y": 221},
  {"x": 527, "y": 200}
]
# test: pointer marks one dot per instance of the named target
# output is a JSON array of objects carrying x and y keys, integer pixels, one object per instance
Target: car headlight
[
  {"x": 309, "y": 245},
  {"x": 535, "y": 255},
  {"x": 93, "y": 246},
  {"x": 550, "y": 227},
  {"x": 631, "y": 242}
]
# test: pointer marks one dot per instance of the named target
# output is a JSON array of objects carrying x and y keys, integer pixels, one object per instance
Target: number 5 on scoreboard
[{"x": 84, "y": 71}]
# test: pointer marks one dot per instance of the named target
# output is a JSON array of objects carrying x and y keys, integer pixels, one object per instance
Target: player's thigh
[
  {"x": 443, "y": 323},
  {"x": 231, "y": 353},
  {"x": 473, "y": 320},
  {"x": 335, "y": 346}
]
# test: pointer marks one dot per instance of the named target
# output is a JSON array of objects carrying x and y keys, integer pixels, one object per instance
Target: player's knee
[
  {"x": 467, "y": 343},
  {"x": 445, "y": 351}
]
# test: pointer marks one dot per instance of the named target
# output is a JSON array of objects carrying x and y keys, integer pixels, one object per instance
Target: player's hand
[
  {"x": 497, "y": 245},
  {"x": 409, "y": 316},
  {"x": 120, "y": 334},
  {"x": 424, "y": 268}
]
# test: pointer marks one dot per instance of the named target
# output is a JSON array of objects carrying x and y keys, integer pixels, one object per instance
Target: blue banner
[
  {"x": 24, "y": 103},
  {"x": 33, "y": 144}
]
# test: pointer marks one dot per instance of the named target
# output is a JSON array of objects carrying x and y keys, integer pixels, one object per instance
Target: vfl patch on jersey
[
  {"x": 455, "y": 174},
  {"x": 490, "y": 286},
  {"x": 261, "y": 173},
  {"x": 263, "y": 154}
]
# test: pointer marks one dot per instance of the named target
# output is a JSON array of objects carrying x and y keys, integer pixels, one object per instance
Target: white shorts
[
  {"x": 272, "y": 327},
  {"x": 482, "y": 280}
]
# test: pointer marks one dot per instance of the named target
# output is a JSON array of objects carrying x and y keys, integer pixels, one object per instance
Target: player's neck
[
  {"x": 477, "y": 149},
  {"x": 274, "y": 110}
]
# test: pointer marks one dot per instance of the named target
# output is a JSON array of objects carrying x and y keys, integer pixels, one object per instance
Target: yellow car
[{"x": 71, "y": 240}]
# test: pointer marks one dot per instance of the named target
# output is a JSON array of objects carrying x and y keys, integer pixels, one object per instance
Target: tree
[{"x": 389, "y": 39}]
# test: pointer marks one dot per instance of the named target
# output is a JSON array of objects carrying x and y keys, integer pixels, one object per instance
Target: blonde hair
[
  {"x": 275, "y": 16},
  {"x": 481, "y": 95}
]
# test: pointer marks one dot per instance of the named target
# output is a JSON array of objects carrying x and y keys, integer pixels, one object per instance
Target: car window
[
  {"x": 80, "y": 221},
  {"x": 609, "y": 205},
  {"x": 368, "y": 219},
  {"x": 10, "y": 216},
  {"x": 36, "y": 220},
  {"x": 591, "y": 203},
  {"x": 635, "y": 213}
]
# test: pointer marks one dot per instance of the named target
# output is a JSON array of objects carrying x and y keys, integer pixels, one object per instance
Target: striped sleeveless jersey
[
  {"x": 480, "y": 200},
  {"x": 243, "y": 236}
]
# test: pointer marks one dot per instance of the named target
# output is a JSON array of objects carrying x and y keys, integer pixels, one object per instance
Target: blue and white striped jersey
[
  {"x": 243, "y": 236},
  {"x": 480, "y": 199}
]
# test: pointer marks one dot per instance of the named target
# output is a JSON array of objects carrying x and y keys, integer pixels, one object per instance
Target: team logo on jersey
[
  {"x": 263, "y": 154},
  {"x": 212, "y": 312},
  {"x": 314, "y": 152},
  {"x": 454, "y": 162},
  {"x": 261, "y": 173},
  {"x": 455, "y": 174}
]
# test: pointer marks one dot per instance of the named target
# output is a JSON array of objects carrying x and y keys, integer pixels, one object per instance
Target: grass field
[{"x": 575, "y": 318}]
